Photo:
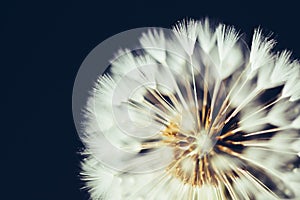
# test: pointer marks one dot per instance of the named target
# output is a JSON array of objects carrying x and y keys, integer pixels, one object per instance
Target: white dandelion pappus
[{"x": 194, "y": 114}]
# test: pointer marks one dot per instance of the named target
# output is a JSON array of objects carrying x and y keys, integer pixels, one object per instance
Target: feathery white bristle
[
  {"x": 206, "y": 36},
  {"x": 260, "y": 54},
  {"x": 226, "y": 39},
  {"x": 282, "y": 68},
  {"x": 186, "y": 33},
  {"x": 103, "y": 183},
  {"x": 99, "y": 113},
  {"x": 125, "y": 62},
  {"x": 292, "y": 85},
  {"x": 154, "y": 43}
]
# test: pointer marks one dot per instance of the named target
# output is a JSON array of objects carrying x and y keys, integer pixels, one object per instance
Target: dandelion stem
[
  {"x": 238, "y": 155},
  {"x": 214, "y": 97},
  {"x": 266, "y": 131},
  {"x": 243, "y": 103},
  {"x": 195, "y": 93},
  {"x": 263, "y": 108},
  {"x": 223, "y": 109},
  {"x": 226, "y": 103},
  {"x": 258, "y": 183},
  {"x": 205, "y": 93}
]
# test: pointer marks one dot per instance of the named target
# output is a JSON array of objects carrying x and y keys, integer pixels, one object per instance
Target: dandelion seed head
[{"x": 194, "y": 114}]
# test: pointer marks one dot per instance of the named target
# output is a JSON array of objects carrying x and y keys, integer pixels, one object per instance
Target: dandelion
[{"x": 195, "y": 114}]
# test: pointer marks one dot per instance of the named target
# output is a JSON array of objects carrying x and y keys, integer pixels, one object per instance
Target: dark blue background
[{"x": 42, "y": 46}]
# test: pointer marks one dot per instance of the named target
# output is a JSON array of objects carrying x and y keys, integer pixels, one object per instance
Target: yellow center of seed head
[{"x": 191, "y": 155}]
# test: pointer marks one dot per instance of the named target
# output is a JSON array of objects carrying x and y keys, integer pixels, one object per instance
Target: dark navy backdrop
[{"x": 42, "y": 46}]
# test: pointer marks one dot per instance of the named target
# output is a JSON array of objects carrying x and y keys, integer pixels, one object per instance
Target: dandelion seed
[{"x": 194, "y": 115}]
